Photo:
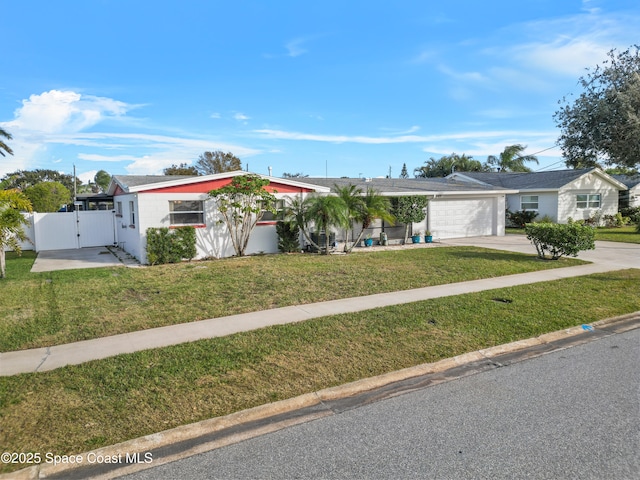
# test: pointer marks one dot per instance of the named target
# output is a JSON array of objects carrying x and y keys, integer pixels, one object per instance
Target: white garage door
[{"x": 461, "y": 218}]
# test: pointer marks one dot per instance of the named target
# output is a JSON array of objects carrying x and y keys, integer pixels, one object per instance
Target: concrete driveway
[
  {"x": 614, "y": 254},
  {"x": 89, "y": 257}
]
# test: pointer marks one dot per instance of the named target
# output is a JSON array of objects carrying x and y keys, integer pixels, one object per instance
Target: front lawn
[
  {"x": 83, "y": 407},
  {"x": 43, "y": 309}
]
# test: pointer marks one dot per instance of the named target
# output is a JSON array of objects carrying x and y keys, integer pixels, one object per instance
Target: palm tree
[
  {"x": 296, "y": 213},
  {"x": 374, "y": 206},
  {"x": 352, "y": 198},
  {"x": 4, "y": 146},
  {"x": 512, "y": 160},
  {"x": 326, "y": 211}
]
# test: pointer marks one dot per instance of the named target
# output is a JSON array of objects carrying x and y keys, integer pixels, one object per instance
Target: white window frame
[
  {"x": 588, "y": 200},
  {"x": 199, "y": 212},
  {"x": 279, "y": 215},
  {"x": 529, "y": 201},
  {"x": 119, "y": 209},
  {"x": 132, "y": 214}
]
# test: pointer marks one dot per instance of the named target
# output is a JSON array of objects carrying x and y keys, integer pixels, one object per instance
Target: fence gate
[{"x": 67, "y": 230}]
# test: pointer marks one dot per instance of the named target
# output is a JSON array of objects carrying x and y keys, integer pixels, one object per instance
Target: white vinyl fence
[{"x": 68, "y": 230}]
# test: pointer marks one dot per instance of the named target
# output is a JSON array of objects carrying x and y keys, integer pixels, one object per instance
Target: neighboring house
[
  {"x": 454, "y": 210},
  {"x": 142, "y": 202},
  {"x": 630, "y": 197},
  {"x": 559, "y": 194}
]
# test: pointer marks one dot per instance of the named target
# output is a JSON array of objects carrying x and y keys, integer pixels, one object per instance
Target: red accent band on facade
[{"x": 207, "y": 186}]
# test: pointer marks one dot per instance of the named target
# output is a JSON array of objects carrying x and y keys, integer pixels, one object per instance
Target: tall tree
[
  {"x": 603, "y": 124},
  {"x": 210, "y": 163},
  {"x": 182, "y": 169},
  {"x": 12, "y": 223},
  {"x": 242, "y": 204},
  {"x": 3, "y": 146},
  {"x": 102, "y": 179},
  {"x": 22, "y": 179},
  {"x": 403, "y": 172},
  {"x": 448, "y": 164},
  {"x": 512, "y": 159},
  {"x": 48, "y": 196}
]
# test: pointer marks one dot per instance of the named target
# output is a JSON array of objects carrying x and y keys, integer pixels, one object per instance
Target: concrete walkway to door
[{"x": 608, "y": 256}]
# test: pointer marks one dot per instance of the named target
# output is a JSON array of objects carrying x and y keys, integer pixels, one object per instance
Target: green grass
[
  {"x": 620, "y": 234},
  {"x": 44, "y": 309},
  {"x": 79, "y": 408}
]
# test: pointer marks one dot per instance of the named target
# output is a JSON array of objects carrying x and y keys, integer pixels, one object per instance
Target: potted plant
[
  {"x": 428, "y": 238},
  {"x": 368, "y": 241},
  {"x": 415, "y": 238}
]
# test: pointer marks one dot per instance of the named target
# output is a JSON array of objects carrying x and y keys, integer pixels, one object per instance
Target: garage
[{"x": 454, "y": 218}]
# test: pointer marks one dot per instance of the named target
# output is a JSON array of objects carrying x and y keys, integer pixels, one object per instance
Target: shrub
[
  {"x": 617, "y": 220},
  {"x": 170, "y": 246},
  {"x": 288, "y": 237},
  {"x": 556, "y": 239},
  {"x": 545, "y": 219},
  {"x": 632, "y": 212},
  {"x": 521, "y": 217}
]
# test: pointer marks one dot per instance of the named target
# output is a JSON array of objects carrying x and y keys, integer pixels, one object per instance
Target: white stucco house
[
  {"x": 144, "y": 201},
  {"x": 455, "y": 209},
  {"x": 560, "y": 194}
]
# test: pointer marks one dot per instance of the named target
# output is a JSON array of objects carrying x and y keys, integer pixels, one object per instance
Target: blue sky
[{"x": 337, "y": 88}]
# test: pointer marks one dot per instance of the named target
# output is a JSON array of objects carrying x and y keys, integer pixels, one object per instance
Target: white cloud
[
  {"x": 241, "y": 117},
  {"x": 63, "y": 111},
  {"x": 215, "y": 115},
  {"x": 60, "y": 119},
  {"x": 87, "y": 177},
  {"x": 294, "y": 47},
  {"x": 473, "y": 135}
]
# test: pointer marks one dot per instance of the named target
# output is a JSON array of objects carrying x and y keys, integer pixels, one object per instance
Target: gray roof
[
  {"x": 528, "y": 180},
  {"x": 127, "y": 181},
  {"x": 403, "y": 185},
  {"x": 629, "y": 180}
]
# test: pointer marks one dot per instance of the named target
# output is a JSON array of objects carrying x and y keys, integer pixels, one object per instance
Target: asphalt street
[{"x": 571, "y": 414}]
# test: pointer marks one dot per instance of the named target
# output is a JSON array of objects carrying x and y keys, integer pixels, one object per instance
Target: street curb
[{"x": 206, "y": 435}]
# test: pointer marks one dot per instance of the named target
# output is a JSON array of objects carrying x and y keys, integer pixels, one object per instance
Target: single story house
[
  {"x": 631, "y": 196},
  {"x": 455, "y": 209},
  {"x": 558, "y": 194},
  {"x": 144, "y": 201}
]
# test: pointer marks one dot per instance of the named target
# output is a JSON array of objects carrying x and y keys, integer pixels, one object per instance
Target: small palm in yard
[
  {"x": 373, "y": 206},
  {"x": 352, "y": 198},
  {"x": 327, "y": 211}
]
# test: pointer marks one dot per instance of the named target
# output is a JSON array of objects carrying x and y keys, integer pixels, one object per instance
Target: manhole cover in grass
[{"x": 502, "y": 300}]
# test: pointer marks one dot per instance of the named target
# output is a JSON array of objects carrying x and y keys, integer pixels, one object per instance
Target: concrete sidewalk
[{"x": 42, "y": 359}]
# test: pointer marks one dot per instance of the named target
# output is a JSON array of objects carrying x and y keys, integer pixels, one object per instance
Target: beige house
[{"x": 559, "y": 194}]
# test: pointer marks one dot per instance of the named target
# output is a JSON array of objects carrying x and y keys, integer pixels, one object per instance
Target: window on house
[
  {"x": 119, "y": 209},
  {"x": 588, "y": 200},
  {"x": 132, "y": 215},
  {"x": 529, "y": 202},
  {"x": 186, "y": 212},
  {"x": 272, "y": 217}
]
